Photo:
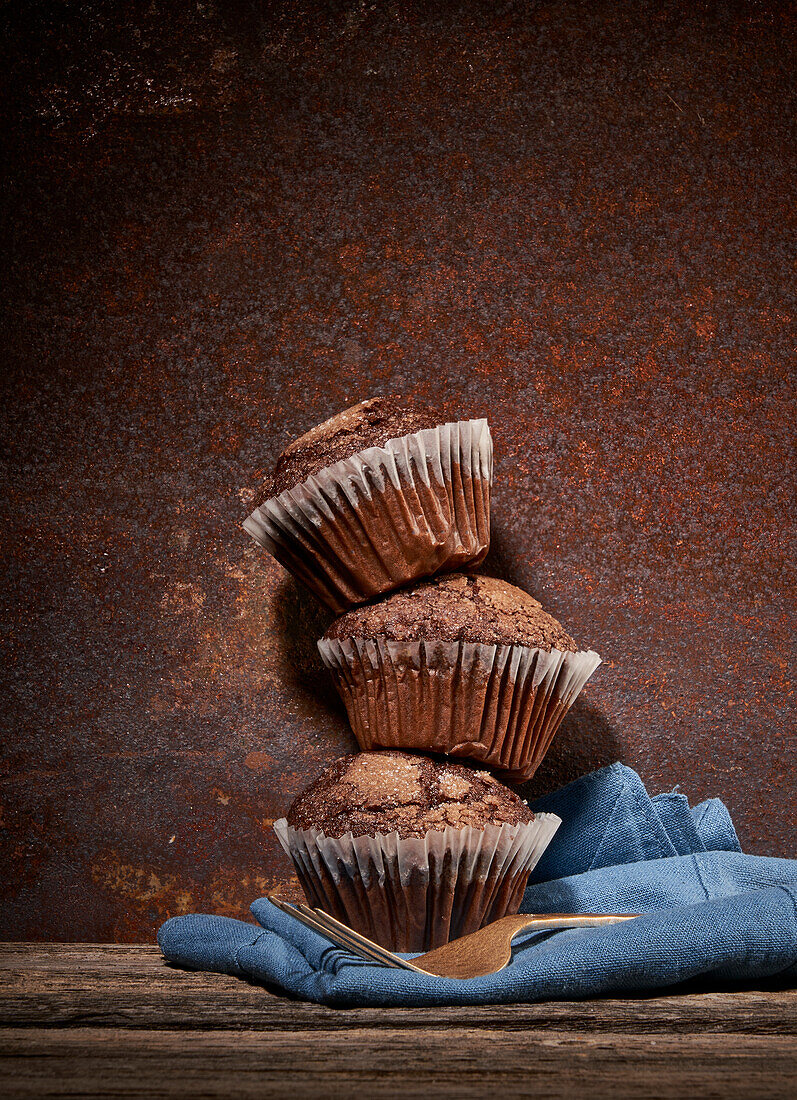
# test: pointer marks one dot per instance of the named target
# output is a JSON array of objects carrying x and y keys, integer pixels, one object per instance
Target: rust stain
[
  {"x": 145, "y": 893},
  {"x": 258, "y": 761}
]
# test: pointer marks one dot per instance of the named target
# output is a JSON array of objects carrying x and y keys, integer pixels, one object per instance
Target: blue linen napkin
[{"x": 709, "y": 911}]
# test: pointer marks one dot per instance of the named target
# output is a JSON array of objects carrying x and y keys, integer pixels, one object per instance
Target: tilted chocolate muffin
[
  {"x": 375, "y": 497},
  {"x": 410, "y": 851},
  {"x": 370, "y": 424},
  {"x": 465, "y": 665}
]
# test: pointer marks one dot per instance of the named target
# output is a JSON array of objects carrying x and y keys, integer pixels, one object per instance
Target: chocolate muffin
[
  {"x": 465, "y": 665},
  {"x": 398, "y": 792},
  {"x": 410, "y": 851},
  {"x": 379, "y": 495},
  {"x": 457, "y": 608}
]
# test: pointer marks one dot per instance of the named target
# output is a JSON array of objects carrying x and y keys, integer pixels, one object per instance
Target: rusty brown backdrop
[{"x": 227, "y": 221}]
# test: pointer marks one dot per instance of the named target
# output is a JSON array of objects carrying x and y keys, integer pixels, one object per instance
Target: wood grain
[
  {"x": 111, "y": 1020},
  {"x": 384, "y": 1062}
]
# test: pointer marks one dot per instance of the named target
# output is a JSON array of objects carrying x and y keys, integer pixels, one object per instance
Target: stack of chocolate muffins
[{"x": 378, "y": 511}]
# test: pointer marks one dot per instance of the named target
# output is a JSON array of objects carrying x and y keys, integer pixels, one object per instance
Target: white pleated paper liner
[
  {"x": 498, "y": 704},
  {"x": 385, "y": 516},
  {"x": 416, "y": 894}
]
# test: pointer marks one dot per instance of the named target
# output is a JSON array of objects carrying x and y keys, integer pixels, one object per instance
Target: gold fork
[{"x": 483, "y": 952}]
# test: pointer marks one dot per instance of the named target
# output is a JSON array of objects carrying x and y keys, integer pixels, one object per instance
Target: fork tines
[{"x": 341, "y": 935}]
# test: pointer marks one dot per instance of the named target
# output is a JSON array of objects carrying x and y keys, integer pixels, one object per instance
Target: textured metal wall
[{"x": 226, "y": 224}]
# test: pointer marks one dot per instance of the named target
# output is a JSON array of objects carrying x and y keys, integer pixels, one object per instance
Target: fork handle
[{"x": 524, "y": 921}]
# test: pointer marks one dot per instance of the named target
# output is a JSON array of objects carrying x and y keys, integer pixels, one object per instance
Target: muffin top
[
  {"x": 385, "y": 792},
  {"x": 457, "y": 607},
  {"x": 370, "y": 424}
]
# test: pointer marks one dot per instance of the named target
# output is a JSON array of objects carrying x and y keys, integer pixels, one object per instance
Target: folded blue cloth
[{"x": 709, "y": 911}]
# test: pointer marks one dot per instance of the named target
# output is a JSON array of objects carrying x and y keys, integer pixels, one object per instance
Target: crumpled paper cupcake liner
[
  {"x": 498, "y": 704},
  {"x": 415, "y": 894},
  {"x": 385, "y": 516}
]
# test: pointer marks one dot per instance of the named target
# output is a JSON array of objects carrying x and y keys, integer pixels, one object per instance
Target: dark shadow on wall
[
  {"x": 501, "y": 561},
  {"x": 301, "y": 621},
  {"x": 585, "y": 741}
]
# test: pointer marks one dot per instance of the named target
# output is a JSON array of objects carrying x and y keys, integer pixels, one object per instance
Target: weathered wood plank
[
  {"x": 456, "y": 1062},
  {"x": 124, "y": 986},
  {"x": 111, "y": 1020}
]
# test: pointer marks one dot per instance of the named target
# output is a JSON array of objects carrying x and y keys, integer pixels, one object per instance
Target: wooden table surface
[{"x": 95, "y": 1020}]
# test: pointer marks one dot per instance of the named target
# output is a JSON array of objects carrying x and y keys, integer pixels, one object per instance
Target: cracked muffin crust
[
  {"x": 457, "y": 607},
  {"x": 385, "y": 792},
  {"x": 370, "y": 424}
]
